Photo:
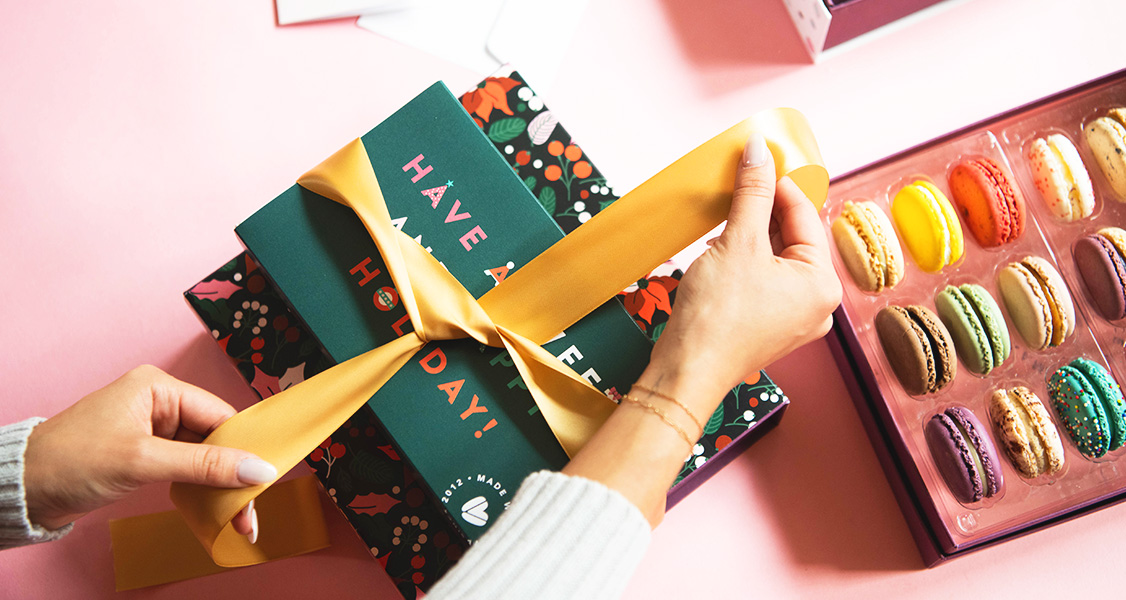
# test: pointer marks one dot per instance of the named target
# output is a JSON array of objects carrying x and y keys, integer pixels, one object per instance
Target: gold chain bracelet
[
  {"x": 699, "y": 422},
  {"x": 663, "y": 416}
]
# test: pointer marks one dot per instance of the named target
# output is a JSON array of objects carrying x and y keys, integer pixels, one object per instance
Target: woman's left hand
[{"x": 143, "y": 428}]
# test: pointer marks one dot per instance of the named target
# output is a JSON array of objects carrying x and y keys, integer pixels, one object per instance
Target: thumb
[
  {"x": 203, "y": 464},
  {"x": 753, "y": 198}
]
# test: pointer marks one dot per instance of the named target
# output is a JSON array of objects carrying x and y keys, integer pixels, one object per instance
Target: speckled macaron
[
  {"x": 1025, "y": 432},
  {"x": 1090, "y": 404}
]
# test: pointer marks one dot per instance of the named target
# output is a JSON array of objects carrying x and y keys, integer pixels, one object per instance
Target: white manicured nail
[
  {"x": 755, "y": 152},
  {"x": 253, "y": 535},
  {"x": 256, "y": 471}
]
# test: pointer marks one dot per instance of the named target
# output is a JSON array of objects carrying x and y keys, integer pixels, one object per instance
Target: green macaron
[
  {"x": 976, "y": 325},
  {"x": 1091, "y": 406}
]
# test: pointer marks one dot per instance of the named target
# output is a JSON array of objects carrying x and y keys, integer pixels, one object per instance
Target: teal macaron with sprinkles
[{"x": 1089, "y": 402}]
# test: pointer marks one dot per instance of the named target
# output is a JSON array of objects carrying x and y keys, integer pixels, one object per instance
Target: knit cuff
[
  {"x": 562, "y": 537},
  {"x": 15, "y": 529}
]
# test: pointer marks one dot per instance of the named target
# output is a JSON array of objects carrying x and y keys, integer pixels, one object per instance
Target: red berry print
[
  {"x": 553, "y": 173},
  {"x": 555, "y": 148},
  {"x": 292, "y": 334},
  {"x": 280, "y": 322},
  {"x": 336, "y": 450},
  {"x": 256, "y": 358},
  {"x": 573, "y": 153},
  {"x": 523, "y": 157},
  {"x": 257, "y": 343}
]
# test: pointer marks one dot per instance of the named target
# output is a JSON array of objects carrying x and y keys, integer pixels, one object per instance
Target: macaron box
[{"x": 983, "y": 324}]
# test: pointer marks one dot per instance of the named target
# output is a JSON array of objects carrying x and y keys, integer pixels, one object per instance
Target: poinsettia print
[
  {"x": 651, "y": 295},
  {"x": 492, "y": 93}
]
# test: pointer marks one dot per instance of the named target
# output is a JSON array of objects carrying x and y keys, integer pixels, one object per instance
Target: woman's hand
[
  {"x": 744, "y": 303},
  {"x": 143, "y": 428},
  {"x": 765, "y": 287}
]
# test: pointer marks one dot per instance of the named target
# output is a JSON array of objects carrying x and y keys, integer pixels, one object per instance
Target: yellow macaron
[{"x": 928, "y": 226}]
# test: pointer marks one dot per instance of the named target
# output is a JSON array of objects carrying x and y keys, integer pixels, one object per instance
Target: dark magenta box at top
[
  {"x": 943, "y": 526},
  {"x": 826, "y": 24}
]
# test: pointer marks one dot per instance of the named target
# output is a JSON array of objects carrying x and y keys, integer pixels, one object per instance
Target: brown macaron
[{"x": 918, "y": 347}]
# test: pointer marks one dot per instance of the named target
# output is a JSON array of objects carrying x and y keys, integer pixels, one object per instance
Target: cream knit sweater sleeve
[
  {"x": 563, "y": 537},
  {"x": 15, "y": 529}
]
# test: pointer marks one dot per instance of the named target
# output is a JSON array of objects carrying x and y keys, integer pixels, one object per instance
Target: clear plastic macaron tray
[{"x": 1083, "y": 480}]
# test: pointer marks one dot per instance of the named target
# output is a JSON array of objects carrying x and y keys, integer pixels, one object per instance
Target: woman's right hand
[{"x": 749, "y": 299}]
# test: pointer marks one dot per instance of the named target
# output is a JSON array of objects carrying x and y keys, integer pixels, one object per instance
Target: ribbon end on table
[{"x": 160, "y": 548}]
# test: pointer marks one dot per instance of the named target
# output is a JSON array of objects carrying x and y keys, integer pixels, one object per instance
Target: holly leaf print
[
  {"x": 371, "y": 468},
  {"x": 217, "y": 313},
  {"x": 541, "y": 127},
  {"x": 658, "y": 329},
  {"x": 265, "y": 385},
  {"x": 547, "y": 199},
  {"x": 372, "y": 504},
  {"x": 530, "y": 183},
  {"x": 505, "y": 130},
  {"x": 715, "y": 422},
  {"x": 292, "y": 377},
  {"x": 214, "y": 289}
]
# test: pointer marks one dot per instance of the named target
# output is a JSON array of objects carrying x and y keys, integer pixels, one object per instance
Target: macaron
[
  {"x": 918, "y": 347},
  {"x": 1061, "y": 177},
  {"x": 1038, "y": 302},
  {"x": 964, "y": 455},
  {"x": 1107, "y": 138},
  {"x": 975, "y": 323},
  {"x": 1090, "y": 405},
  {"x": 1026, "y": 432},
  {"x": 868, "y": 246},
  {"x": 1100, "y": 259},
  {"x": 988, "y": 200},
  {"x": 929, "y": 227}
]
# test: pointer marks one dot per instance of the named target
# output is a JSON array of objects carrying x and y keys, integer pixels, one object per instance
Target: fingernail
[
  {"x": 246, "y": 510},
  {"x": 252, "y": 537},
  {"x": 755, "y": 152},
  {"x": 255, "y": 471}
]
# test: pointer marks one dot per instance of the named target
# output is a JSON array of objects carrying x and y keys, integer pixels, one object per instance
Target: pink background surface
[{"x": 135, "y": 135}]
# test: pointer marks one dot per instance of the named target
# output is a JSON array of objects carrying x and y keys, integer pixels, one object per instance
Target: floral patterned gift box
[{"x": 379, "y": 493}]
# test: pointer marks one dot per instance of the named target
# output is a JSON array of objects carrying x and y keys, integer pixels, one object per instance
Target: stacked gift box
[{"x": 398, "y": 512}]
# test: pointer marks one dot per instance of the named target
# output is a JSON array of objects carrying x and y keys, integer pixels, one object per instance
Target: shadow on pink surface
[
  {"x": 822, "y": 479},
  {"x": 736, "y": 44}
]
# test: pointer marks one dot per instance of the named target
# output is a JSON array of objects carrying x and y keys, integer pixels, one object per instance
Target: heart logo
[{"x": 475, "y": 511}]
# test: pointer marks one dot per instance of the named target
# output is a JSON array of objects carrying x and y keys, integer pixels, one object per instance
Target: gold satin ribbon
[{"x": 573, "y": 277}]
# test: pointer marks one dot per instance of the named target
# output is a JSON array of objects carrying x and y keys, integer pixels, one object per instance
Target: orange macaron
[{"x": 988, "y": 200}]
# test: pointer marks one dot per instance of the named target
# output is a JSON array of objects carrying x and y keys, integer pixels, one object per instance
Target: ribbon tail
[
  {"x": 282, "y": 430},
  {"x": 572, "y": 407}
]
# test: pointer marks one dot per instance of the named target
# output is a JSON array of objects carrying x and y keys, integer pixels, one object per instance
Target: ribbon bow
[{"x": 574, "y": 276}]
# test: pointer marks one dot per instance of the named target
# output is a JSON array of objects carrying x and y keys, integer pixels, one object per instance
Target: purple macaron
[
  {"x": 1104, "y": 273},
  {"x": 964, "y": 455}
]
